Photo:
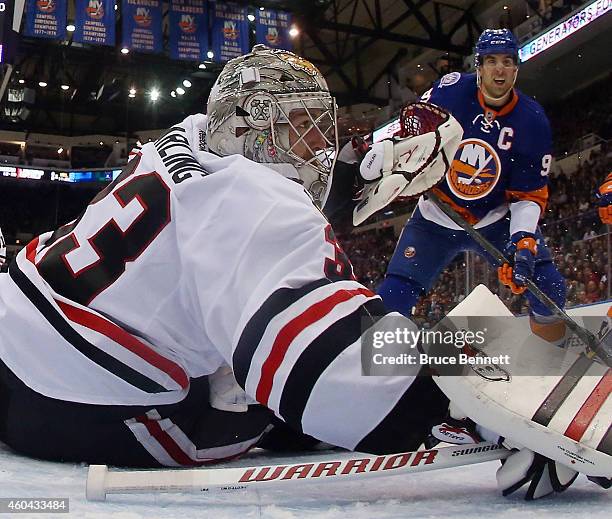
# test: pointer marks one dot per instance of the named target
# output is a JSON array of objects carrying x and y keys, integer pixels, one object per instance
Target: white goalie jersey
[{"x": 182, "y": 266}]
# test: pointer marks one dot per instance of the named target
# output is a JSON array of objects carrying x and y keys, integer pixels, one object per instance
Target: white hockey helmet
[{"x": 274, "y": 107}]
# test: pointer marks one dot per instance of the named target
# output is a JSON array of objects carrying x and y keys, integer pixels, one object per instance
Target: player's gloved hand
[
  {"x": 378, "y": 162},
  {"x": 523, "y": 249},
  {"x": 354, "y": 150},
  {"x": 604, "y": 200},
  {"x": 544, "y": 476}
]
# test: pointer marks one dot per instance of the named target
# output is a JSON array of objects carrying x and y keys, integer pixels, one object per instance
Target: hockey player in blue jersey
[{"x": 497, "y": 182}]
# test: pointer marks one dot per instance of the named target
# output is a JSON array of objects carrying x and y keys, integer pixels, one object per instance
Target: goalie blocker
[{"x": 552, "y": 401}]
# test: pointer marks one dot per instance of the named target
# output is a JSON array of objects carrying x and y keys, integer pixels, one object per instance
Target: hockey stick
[
  {"x": 594, "y": 347},
  {"x": 343, "y": 467}
]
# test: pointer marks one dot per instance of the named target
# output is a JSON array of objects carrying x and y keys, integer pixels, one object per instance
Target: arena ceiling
[{"x": 356, "y": 43}]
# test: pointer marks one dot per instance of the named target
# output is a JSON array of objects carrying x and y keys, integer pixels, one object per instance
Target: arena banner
[
  {"x": 188, "y": 35},
  {"x": 230, "y": 31},
  {"x": 142, "y": 25},
  {"x": 95, "y": 22},
  {"x": 272, "y": 29},
  {"x": 46, "y": 19}
]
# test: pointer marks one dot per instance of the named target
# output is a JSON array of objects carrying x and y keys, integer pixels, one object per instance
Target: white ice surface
[{"x": 462, "y": 493}]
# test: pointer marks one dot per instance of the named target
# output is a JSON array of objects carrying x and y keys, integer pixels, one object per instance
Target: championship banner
[
  {"x": 46, "y": 19},
  {"x": 95, "y": 22},
  {"x": 142, "y": 25},
  {"x": 272, "y": 29},
  {"x": 230, "y": 37},
  {"x": 188, "y": 35}
]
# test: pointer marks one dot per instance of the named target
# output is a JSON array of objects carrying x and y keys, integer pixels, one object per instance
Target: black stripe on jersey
[
  {"x": 409, "y": 423},
  {"x": 251, "y": 336},
  {"x": 319, "y": 354},
  {"x": 100, "y": 357}
]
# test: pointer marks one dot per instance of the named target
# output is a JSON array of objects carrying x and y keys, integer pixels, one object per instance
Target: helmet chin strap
[{"x": 492, "y": 98}]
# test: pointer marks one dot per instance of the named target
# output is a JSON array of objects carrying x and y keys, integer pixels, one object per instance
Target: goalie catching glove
[{"x": 411, "y": 163}]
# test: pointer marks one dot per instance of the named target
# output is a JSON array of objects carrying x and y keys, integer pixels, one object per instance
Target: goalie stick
[
  {"x": 594, "y": 346},
  {"x": 343, "y": 467}
]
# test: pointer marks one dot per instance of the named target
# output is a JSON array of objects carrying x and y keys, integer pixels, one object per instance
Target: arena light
[
  {"x": 70, "y": 27},
  {"x": 125, "y": 50},
  {"x": 186, "y": 83},
  {"x": 65, "y": 87},
  {"x": 210, "y": 54},
  {"x": 294, "y": 31},
  {"x": 180, "y": 91},
  {"x": 42, "y": 84},
  {"x": 251, "y": 17},
  {"x": 60, "y": 150},
  {"x": 21, "y": 81},
  {"x": 261, "y": 8},
  {"x": 173, "y": 94},
  {"x": 132, "y": 91},
  {"x": 568, "y": 26},
  {"x": 202, "y": 66},
  {"x": 154, "y": 95}
]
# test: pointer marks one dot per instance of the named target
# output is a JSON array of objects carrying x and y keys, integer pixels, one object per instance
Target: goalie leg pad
[{"x": 562, "y": 412}]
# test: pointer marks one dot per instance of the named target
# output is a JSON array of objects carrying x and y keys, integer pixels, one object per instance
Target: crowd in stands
[{"x": 591, "y": 113}]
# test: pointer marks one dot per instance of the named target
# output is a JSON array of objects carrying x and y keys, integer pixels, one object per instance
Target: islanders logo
[
  {"x": 46, "y": 6},
  {"x": 143, "y": 17},
  {"x": 230, "y": 31},
  {"x": 95, "y": 9},
  {"x": 272, "y": 37},
  {"x": 475, "y": 170},
  {"x": 187, "y": 24}
]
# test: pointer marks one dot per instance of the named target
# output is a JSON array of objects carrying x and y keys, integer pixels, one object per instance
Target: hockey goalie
[{"x": 202, "y": 299}]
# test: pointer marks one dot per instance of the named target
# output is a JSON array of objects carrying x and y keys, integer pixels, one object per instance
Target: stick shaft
[
  {"x": 594, "y": 347},
  {"x": 101, "y": 482}
]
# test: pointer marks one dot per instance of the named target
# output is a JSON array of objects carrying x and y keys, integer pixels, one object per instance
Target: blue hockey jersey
[{"x": 504, "y": 157}]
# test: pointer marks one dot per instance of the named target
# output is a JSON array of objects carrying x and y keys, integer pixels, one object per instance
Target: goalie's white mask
[{"x": 274, "y": 107}]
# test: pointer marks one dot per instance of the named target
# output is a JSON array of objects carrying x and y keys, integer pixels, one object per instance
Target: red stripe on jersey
[
  {"x": 31, "y": 249},
  {"x": 128, "y": 341},
  {"x": 291, "y": 330},
  {"x": 589, "y": 409}
]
